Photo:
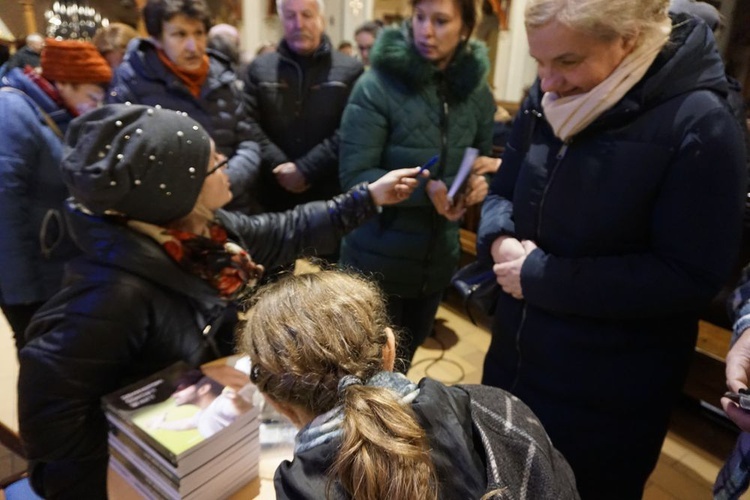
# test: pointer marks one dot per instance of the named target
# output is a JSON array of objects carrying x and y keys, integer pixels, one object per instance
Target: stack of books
[{"x": 182, "y": 434}]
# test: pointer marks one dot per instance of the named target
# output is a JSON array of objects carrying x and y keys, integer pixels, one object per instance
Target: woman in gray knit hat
[{"x": 161, "y": 265}]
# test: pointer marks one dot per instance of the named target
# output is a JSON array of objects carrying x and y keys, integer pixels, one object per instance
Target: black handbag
[{"x": 477, "y": 285}]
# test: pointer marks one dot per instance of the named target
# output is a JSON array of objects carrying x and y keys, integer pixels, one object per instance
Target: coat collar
[
  {"x": 323, "y": 50},
  {"x": 115, "y": 245},
  {"x": 394, "y": 54},
  {"x": 145, "y": 62}
]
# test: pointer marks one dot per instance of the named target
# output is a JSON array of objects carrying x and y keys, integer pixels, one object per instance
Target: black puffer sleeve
[{"x": 277, "y": 239}]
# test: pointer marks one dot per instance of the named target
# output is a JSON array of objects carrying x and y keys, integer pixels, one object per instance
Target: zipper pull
[{"x": 563, "y": 150}]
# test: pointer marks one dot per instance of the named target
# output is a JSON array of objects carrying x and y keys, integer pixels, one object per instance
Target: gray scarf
[{"x": 328, "y": 426}]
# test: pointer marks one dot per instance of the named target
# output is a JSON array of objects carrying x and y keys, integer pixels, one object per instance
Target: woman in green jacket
[{"x": 425, "y": 95}]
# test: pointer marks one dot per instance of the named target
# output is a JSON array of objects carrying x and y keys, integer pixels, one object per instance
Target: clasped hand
[
  {"x": 509, "y": 254},
  {"x": 290, "y": 178}
]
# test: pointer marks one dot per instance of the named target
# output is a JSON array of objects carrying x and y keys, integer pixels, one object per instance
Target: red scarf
[
  {"x": 47, "y": 87},
  {"x": 192, "y": 78},
  {"x": 225, "y": 265}
]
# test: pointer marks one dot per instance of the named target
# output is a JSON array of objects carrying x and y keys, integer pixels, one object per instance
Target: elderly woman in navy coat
[{"x": 614, "y": 219}]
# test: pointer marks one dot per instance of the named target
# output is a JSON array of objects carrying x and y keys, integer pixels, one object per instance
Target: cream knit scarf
[{"x": 569, "y": 115}]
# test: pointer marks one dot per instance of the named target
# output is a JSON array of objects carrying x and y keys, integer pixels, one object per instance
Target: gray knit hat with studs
[{"x": 142, "y": 162}]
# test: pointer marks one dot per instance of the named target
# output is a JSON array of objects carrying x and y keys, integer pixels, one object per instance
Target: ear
[
  {"x": 64, "y": 87},
  {"x": 628, "y": 44},
  {"x": 291, "y": 412},
  {"x": 203, "y": 389},
  {"x": 389, "y": 350}
]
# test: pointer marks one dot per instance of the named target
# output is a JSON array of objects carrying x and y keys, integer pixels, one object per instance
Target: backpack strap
[{"x": 47, "y": 118}]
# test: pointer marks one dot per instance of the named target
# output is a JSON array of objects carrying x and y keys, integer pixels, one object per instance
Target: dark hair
[
  {"x": 468, "y": 9},
  {"x": 370, "y": 27},
  {"x": 198, "y": 379},
  {"x": 345, "y": 45},
  {"x": 157, "y": 12}
]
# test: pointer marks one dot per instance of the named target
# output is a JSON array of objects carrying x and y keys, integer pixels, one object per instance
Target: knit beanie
[
  {"x": 70, "y": 61},
  {"x": 145, "y": 163}
]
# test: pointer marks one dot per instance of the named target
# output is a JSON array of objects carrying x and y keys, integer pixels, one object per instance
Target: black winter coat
[
  {"x": 142, "y": 78},
  {"x": 127, "y": 310},
  {"x": 637, "y": 220},
  {"x": 481, "y": 439},
  {"x": 297, "y": 103}
]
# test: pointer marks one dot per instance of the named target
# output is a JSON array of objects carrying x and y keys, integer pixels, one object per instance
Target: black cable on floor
[{"x": 433, "y": 361}]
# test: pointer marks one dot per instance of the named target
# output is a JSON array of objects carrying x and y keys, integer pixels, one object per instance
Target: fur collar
[{"x": 394, "y": 54}]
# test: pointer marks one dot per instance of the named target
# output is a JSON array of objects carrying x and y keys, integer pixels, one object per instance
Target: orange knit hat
[{"x": 71, "y": 61}]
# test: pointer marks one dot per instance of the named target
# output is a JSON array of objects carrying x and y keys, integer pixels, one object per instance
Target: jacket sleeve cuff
[{"x": 351, "y": 209}]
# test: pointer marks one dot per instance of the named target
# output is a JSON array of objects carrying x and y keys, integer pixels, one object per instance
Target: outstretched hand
[
  {"x": 395, "y": 186},
  {"x": 738, "y": 373}
]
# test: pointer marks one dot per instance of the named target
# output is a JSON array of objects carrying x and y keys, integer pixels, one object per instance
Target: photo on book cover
[{"x": 180, "y": 407}]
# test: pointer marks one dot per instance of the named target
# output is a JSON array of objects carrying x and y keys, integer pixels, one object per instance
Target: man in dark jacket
[
  {"x": 297, "y": 96},
  {"x": 28, "y": 55},
  {"x": 173, "y": 69}
]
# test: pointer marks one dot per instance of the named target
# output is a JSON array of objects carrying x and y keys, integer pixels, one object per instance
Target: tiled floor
[{"x": 691, "y": 457}]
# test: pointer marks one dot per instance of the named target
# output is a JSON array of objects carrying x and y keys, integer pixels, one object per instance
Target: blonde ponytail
[{"x": 384, "y": 452}]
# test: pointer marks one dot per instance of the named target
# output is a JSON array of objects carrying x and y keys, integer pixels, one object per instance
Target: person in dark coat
[
  {"x": 28, "y": 55},
  {"x": 174, "y": 69},
  {"x": 161, "y": 263},
  {"x": 296, "y": 96},
  {"x": 322, "y": 353},
  {"x": 615, "y": 218},
  {"x": 36, "y": 111},
  {"x": 426, "y": 96}
]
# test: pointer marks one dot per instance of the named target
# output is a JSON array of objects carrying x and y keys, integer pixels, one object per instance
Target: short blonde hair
[
  {"x": 602, "y": 19},
  {"x": 114, "y": 37}
]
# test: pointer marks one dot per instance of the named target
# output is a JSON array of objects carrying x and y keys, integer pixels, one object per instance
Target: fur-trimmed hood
[{"x": 394, "y": 54}]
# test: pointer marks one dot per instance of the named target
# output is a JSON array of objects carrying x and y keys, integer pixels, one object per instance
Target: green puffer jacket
[{"x": 400, "y": 114}]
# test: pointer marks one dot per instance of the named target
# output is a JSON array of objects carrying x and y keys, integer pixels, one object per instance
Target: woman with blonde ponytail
[
  {"x": 323, "y": 353},
  {"x": 613, "y": 222}
]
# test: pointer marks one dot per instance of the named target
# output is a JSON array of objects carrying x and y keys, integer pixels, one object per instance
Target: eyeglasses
[{"x": 217, "y": 166}]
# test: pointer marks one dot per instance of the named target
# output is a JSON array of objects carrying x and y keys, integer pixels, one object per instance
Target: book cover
[{"x": 180, "y": 411}]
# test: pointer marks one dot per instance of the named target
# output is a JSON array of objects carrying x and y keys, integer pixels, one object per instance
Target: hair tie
[{"x": 346, "y": 381}]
